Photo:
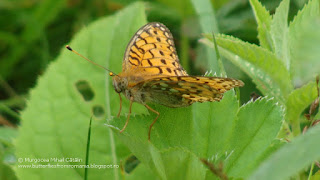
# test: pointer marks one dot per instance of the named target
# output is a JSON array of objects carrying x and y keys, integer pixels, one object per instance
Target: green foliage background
[{"x": 49, "y": 94}]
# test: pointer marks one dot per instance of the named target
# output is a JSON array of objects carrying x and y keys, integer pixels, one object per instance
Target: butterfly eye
[
  {"x": 117, "y": 84},
  {"x": 117, "y": 88}
]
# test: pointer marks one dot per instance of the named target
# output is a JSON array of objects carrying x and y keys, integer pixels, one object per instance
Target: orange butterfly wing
[{"x": 151, "y": 52}]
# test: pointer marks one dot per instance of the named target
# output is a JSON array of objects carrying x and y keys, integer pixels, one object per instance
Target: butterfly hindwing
[
  {"x": 151, "y": 51},
  {"x": 179, "y": 91}
]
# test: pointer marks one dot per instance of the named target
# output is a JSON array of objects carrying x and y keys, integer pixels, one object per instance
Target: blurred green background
[{"x": 32, "y": 32}]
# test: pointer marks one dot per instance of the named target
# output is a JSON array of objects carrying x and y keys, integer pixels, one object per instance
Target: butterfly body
[{"x": 141, "y": 93}]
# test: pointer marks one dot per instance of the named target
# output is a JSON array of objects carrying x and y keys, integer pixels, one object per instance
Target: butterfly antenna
[{"x": 70, "y": 49}]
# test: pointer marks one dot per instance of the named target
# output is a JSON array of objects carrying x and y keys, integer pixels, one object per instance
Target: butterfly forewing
[{"x": 151, "y": 52}]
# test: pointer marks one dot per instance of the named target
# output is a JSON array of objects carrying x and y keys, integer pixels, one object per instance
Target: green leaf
[
  {"x": 317, "y": 116},
  {"x": 186, "y": 129},
  {"x": 257, "y": 126},
  {"x": 263, "y": 19},
  {"x": 6, "y": 172},
  {"x": 183, "y": 8},
  {"x": 274, "y": 146},
  {"x": 177, "y": 163},
  {"x": 265, "y": 69},
  {"x": 291, "y": 158},
  {"x": 300, "y": 3},
  {"x": 208, "y": 24},
  {"x": 213, "y": 126},
  {"x": 298, "y": 101},
  {"x": 202, "y": 129},
  {"x": 141, "y": 172},
  {"x": 7, "y": 153},
  {"x": 165, "y": 132},
  {"x": 206, "y": 16},
  {"x": 55, "y": 122},
  {"x": 7, "y": 135},
  {"x": 279, "y": 32},
  {"x": 316, "y": 176},
  {"x": 217, "y": 131},
  {"x": 304, "y": 41}
]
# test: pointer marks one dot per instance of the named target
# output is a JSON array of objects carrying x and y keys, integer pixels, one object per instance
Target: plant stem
[
  {"x": 296, "y": 131},
  {"x": 310, "y": 173}
]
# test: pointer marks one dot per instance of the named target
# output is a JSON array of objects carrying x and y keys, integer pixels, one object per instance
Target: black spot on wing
[
  {"x": 149, "y": 62},
  {"x": 175, "y": 72},
  {"x": 145, "y": 41},
  {"x": 160, "y": 70},
  {"x": 151, "y": 53},
  {"x": 134, "y": 59},
  {"x": 135, "y": 53}
]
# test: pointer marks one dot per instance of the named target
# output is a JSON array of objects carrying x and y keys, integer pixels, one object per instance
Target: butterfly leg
[
  {"x": 124, "y": 127},
  {"x": 154, "y": 121},
  {"x": 120, "y": 105}
]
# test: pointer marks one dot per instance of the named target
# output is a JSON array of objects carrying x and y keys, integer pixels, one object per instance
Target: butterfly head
[{"x": 119, "y": 83}]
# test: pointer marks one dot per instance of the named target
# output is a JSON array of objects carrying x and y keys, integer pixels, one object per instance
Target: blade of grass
[
  {"x": 87, "y": 150},
  {"x": 184, "y": 54},
  {"x": 221, "y": 68},
  {"x": 208, "y": 24}
]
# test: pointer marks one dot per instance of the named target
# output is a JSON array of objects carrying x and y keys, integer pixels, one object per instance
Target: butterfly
[{"x": 152, "y": 73}]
